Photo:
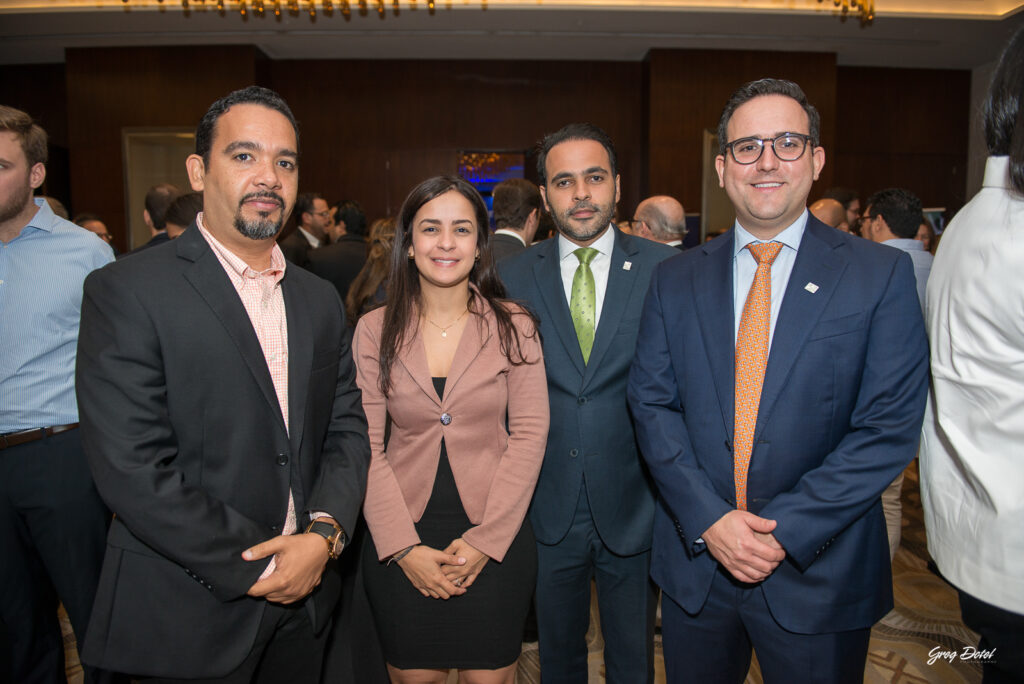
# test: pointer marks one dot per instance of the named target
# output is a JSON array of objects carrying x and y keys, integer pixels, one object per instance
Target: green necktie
[{"x": 583, "y": 301}]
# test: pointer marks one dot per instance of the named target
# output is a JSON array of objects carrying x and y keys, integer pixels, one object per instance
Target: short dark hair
[
  {"x": 573, "y": 131},
  {"x": 85, "y": 216},
  {"x": 900, "y": 208},
  {"x": 184, "y": 208},
  {"x": 353, "y": 215},
  {"x": 304, "y": 204},
  {"x": 1004, "y": 109},
  {"x": 844, "y": 196},
  {"x": 767, "y": 86},
  {"x": 30, "y": 135},
  {"x": 514, "y": 200},
  {"x": 158, "y": 201},
  {"x": 251, "y": 95}
]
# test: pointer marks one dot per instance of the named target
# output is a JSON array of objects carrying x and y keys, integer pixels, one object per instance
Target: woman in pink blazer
[{"x": 455, "y": 395}]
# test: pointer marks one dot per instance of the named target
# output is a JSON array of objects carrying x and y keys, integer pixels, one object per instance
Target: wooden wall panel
[
  {"x": 109, "y": 89},
  {"x": 904, "y": 128},
  {"x": 689, "y": 88},
  {"x": 373, "y": 129}
]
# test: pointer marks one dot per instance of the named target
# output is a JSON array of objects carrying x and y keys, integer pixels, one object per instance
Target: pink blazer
[{"x": 495, "y": 471}]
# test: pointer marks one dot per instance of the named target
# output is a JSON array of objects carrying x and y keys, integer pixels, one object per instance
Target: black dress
[{"x": 479, "y": 630}]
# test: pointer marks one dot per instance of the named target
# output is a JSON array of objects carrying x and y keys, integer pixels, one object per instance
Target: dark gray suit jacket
[
  {"x": 188, "y": 447},
  {"x": 591, "y": 430}
]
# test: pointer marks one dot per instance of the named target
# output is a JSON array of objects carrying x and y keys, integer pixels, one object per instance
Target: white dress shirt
[
  {"x": 511, "y": 233},
  {"x": 745, "y": 266},
  {"x": 313, "y": 241},
  {"x": 972, "y": 450},
  {"x": 600, "y": 266}
]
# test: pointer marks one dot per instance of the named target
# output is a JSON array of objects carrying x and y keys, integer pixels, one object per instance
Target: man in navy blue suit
[
  {"x": 774, "y": 538},
  {"x": 593, "y": 509}
]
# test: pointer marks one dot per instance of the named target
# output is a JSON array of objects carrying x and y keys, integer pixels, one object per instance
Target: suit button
[
  {"x": 446, "y": 419},
  {"x": 581, "y": 400},
  {"x": 282, "y": 459},
  {"x": 573, "y": 453}
]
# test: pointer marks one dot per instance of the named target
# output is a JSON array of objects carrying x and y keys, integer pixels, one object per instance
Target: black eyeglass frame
[{"x": 761, "y": 143}]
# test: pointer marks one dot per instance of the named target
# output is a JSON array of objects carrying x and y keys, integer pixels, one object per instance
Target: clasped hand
[
  {"x": 744, "y": 544},
  {"x": 443, "y": 574},
  {"x": 299, "y": 564}
]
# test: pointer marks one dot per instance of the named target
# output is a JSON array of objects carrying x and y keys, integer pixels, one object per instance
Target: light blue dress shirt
[
  {"x": 41, "y": 276},
  {"x": 922, "y": 262},
  {"x": 744, "y": 266}
]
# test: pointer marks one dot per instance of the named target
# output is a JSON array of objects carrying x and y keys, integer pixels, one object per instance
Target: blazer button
[
  {"x": 573, "y": 453},
  {"x": 581, "y": 400},
  {"x": 282, "y": 459},
  {"x": 446, "y": 419}
]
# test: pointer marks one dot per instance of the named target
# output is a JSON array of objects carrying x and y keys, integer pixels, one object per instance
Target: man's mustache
[{"x": 262, "y": 196}]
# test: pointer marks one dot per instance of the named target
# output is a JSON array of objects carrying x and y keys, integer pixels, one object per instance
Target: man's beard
[
  {"x": 565, "y": 224},
  {"x": 263, "y": 227},
  {"x": 17, "y": 203}
]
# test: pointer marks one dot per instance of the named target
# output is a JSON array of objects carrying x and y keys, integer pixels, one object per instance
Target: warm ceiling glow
[{"x": 976, "y": 9}]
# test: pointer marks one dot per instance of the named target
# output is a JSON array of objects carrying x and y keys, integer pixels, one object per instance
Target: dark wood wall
[
  {"x": 371, "y": 129},
  {"x": 904, "y": 128}
]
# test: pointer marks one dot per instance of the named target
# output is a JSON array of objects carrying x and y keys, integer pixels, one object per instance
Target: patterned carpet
[{"x": 926, "y": 617}]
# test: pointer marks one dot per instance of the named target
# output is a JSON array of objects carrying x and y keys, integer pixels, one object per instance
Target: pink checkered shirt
[{"x": 260, "y": 292}]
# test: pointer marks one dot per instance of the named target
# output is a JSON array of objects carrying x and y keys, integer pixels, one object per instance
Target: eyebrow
[
  {"x": 586, "y": 172},
  {"x": 255, "y": 147},
  {"x": 434, "y": 221}
]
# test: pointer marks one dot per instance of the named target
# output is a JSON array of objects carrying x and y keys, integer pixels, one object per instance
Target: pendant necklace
[{"x": 444, "y": 329}]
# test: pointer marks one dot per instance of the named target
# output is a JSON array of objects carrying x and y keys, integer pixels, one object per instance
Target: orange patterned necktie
[{"x": 751, "y": 359}]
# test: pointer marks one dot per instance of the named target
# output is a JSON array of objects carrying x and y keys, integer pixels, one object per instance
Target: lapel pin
[
  {"x": 626, "y": 265},
  {"x": 811, "y": 287}
]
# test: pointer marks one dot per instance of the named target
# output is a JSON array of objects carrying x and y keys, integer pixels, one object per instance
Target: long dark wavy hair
[{"x": 404, "y": 296}]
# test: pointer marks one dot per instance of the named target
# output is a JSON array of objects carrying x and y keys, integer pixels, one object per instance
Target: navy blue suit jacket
[
  {"x": 839, "y": 418},
  {"x": 591, "y": 431}
]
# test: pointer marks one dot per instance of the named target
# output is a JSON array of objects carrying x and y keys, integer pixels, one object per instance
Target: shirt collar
[
  {"x": 997, "y": 173},
  {"x": 603, "y": 244},
  {"x": 234, "y": 265},
  {"x": 506, "y": 231},
  {"x": 313, "y": 240},
  {"x": 906, "y": 244},
  {"x": 44, "y": 217},
  {"x": 790, "y": 237}
]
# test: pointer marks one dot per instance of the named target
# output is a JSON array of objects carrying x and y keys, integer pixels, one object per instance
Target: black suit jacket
[
  {"x": 504, "y": 246},
  {"x": 296, "y": 248},
  {"x": 188, "y": 447},
  {"x": 339, "y": 262}
]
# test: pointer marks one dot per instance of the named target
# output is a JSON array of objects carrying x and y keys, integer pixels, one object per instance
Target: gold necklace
[{"x": 444, "y": 329}]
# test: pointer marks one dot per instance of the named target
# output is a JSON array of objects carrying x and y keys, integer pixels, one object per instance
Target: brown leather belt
[{"x": 13, "y": 439}]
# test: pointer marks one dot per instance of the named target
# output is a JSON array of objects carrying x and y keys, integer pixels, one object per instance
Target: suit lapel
[
  {"x": 818, "y": 263},
  {"x": 474, "y": 337},
  {"x": 413, "y": 357},
  {"x": 616, "y": 297},
  {"x": 207, "y": 276},
  {"x": 547, "y": 271},
  {"x": 713, "y": 285},
  {"x": 300, "y": 357}
]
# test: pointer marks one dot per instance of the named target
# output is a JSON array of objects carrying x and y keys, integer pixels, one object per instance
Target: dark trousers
[
  {"x": 53, "y": 529},
  {"x": 714, "y": 645},
  {"x": 1002, "y": 632},
  {"x": 285, "y": 650},
  {"x": 626, "y": 600}
]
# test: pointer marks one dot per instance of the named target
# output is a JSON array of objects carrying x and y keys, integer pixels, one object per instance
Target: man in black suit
[
  {"x": 517, "y": 209},
  {"x": 660, "y": 218},
  {"x": 314, "y": 219},
  {"x": 341, "y": 261},
  {"x": 221, "y": 420},
  {"x": 158, "y": 201}
]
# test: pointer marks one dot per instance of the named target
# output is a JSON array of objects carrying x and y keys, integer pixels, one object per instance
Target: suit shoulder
[{"x": 654, "y": 252}]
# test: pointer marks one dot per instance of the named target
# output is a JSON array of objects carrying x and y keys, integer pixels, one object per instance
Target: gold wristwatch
[{"x": 332, "y": 534}]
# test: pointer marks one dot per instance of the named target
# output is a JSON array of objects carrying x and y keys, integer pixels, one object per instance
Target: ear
[
  {"x": 36, "y": 175},
  {"x": 720, "y": 168},
  {"x": 818, "y": 159},
  {"x": 544, "y": 196},
  {"x": 412, "y": 254},
  {"x": 617, "y": 188},
  {"x": 196, "y": 170}
]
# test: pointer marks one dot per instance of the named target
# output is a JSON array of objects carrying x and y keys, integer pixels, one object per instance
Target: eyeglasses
[
  {"x": 633, "y": 223},
  {"x": 323, "y": 214},
  {"x": 787, "y": 147}
]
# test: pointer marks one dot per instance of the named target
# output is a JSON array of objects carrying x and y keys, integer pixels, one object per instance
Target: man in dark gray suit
[
  {"x": 517, "y": 209},
  {"x": 593, "y": 509}
]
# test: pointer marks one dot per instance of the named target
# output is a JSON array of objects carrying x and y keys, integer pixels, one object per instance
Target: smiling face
[
  {"x": 769, "y": 194},
  {"x": 252, "y": 177},
  {"x": 444, "y": 241},
  {"x": 581, "y": 192}
]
